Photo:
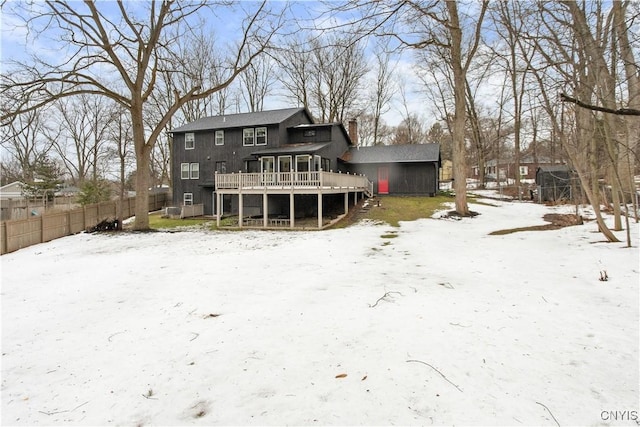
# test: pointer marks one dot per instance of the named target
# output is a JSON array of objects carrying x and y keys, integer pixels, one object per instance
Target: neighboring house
[
  {"x": 505, "y": 170},
  {"x": 13, "y": 204},
  {"x": 271, "y": 167},
  {"x": 12, "y": 191},
  {"x": 398, "y": 169},
  {"x": 555, "y": 183}
]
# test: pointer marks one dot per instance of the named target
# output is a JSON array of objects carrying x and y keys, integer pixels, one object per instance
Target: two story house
[
  {"x": 268, "y": 167},
  {"x": 273, "y": 167}
]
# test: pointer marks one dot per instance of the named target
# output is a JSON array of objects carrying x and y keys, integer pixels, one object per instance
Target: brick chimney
[{"x": 353, "y": 131}]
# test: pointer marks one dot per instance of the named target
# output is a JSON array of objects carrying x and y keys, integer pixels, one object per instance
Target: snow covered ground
[{"x": 443, "y": 324}]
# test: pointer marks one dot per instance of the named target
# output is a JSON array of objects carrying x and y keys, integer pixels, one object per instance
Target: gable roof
[
  {"x": 241, "y": 120},
  {"x": 394, "y": 154},
  {"x": 554, "y": 168}
]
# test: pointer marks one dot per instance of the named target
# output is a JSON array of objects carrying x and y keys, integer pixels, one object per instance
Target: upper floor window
[
  {"x": 524, "y": 170},
  {"x": 261, "y": 136},
  {"x": 195, "y": 170},
  {"x": 184, "y": 170},
  {"x": 189, "y": 141},
  {"x": 248, "y": 136},
  {"x": 219, "y": 137},
  {"x": 189, "y": 170},
  {"x": 254, "y": 136}
]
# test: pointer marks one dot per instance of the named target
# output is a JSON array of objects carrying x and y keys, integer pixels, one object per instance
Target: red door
[{"x": 383, "y": 180}]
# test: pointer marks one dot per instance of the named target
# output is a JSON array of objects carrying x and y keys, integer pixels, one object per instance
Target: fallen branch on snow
[
  {"x": 382, "y": 298},
  {"x": 441, "y": 374},
  {"x": 550, "y": 413},
  {"x": 67, "y": 410}
]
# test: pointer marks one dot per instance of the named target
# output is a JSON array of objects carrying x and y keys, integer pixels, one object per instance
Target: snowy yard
[{"x": 443, "y": 324}]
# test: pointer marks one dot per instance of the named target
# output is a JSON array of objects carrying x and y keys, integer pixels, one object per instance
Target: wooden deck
[
  {"x": 286, "y": 182},
  {"x": 292, "y": 183}
]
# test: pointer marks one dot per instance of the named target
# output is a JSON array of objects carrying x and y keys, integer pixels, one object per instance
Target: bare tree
[
  {"x": 325, "y": 75},
  {"x": 515, "y": 56},
  {"x": 420, "y": 25},
  {"x": 24, "y": 141},
  {"x": 121, "y": 136},
  {"x": 117, "y": 53},
  {"x": 81, "y": 136},
  {"x": 256, "y": 83},
  {"x": 373, "y": 131},
  {"x": 570, "y": 54},
  {"x": 381, "y": 91}
]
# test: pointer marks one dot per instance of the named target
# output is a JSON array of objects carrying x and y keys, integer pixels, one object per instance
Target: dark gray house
[
  {"x": 273, "y": 167},
  {"x": 398, "y": 169},
  {"x": 268, "y": 167}
]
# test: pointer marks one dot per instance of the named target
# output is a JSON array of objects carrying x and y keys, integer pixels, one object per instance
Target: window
[
  {"x": 248, "y": 136},
  {"x": 189, "y": 141},
  {"x": 221, "y": 167},
  {"x": 187, "y": 199},
  {"x": 268, "y": 164},
  {"x": 195, "y": 170},
  {"x": 189, "y": 170},
  {"x": 219, "y": 137},
  {"x": 261, "y": 136},
  {"x": 524, "y": 170},
  {"x": 302, "y": 163},
  {"x": 284, "y": 164}
]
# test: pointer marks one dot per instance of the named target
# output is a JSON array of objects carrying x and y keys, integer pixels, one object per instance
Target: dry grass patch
[{"x": 393, "y": 209}]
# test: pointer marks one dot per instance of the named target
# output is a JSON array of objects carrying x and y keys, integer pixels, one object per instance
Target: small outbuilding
[
  {"x": 398, "y": 169},
  {"x": 554, "y": 183}
]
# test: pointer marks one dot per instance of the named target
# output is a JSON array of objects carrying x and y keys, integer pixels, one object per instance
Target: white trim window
[
  {"x": 261, "y": 136},
  {"x": 194, "y": 170},
  {"x": 524, "y": 170},
  {"x": 219, "y": 137},
  {"x": 248, "y": 137},
  {"x": 184, "y": 170},
  {"x": 187, "y": 199},
  {"x": 189, "y": 141}
]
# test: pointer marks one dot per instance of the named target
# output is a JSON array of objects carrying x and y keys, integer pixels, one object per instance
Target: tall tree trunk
[
  {"x": 459, "y": 146},
  {"x": 627, "y": 160},
  {"x": 143, "y": 166}
]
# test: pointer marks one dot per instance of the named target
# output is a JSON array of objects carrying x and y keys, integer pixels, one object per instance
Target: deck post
[
  {"x": 265, "y": 208},
  {"x": 355, "y": 197},
  {"x": 319, "y": 210},
  {"x": 292, "y": 210},
  {"x": 346, "y": 203},
  {"x": 218, "y": 209},
  {"x": 240, "y": 210}
]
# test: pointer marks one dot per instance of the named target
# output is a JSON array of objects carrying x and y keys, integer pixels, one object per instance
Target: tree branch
[{"x": 619, "y": 111}]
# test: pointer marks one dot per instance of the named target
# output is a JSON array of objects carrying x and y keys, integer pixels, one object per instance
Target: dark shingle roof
[
  {"x": 555, "y": 168},
  {"x": 292, "y": 149},
  {"x": 395, "y": 153},
  {"x": 239, "y": 120}
]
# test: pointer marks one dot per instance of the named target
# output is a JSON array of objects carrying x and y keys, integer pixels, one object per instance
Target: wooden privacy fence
[{"x": 20, "y": 233}]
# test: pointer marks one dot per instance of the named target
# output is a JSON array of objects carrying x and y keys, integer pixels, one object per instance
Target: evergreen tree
[{"x": 94, "y": 191}]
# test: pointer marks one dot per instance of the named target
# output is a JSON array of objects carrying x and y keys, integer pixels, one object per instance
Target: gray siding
[{"x": 404, "y": 178}]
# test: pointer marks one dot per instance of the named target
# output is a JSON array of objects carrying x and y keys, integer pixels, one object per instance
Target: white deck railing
[{"x": 319, "y": 179}]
